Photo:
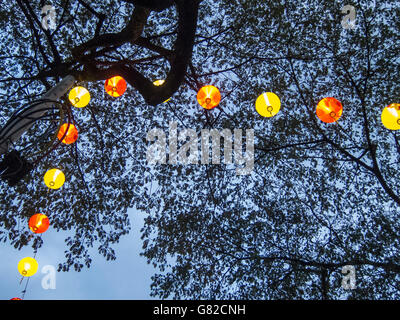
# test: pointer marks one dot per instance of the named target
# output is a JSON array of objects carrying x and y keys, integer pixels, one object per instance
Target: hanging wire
[
  {"x": 22, "y": 114},
  {"x": 48, "y": 148}
]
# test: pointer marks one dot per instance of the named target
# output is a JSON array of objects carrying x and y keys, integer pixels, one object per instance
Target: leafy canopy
[{"x": 321, "y": 196}]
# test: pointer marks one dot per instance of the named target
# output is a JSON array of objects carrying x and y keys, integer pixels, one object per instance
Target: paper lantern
[
  {"x": 27, "y": 266},
  {"x": 268, "y": 104},
  {"x": 391, "y": 116},
  {"x": 79, "y": 97},
  {"x": 39, "y": 223},
  {"x": 54, "y": 178},
  {"x": 159, "y": 83},
  {"x": 16, "y": 299},
  {"x": 71, "y": 136},
  {"x": 329, "y": 110},
  {"x": 115, "y": 86},
  {"x": 208, "y": 97}
]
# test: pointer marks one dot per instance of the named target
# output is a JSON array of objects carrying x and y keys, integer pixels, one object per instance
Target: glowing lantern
[
  {"x": 79, "y": 97},
  {"x": 115, "y": 86},
  {"x": 208, "y": 97},
  {"x": 329, "y": 110},
  {"x": 54, "y": 178},
  {"x": 16, "y": 299},
  {"x": 39, "y": 223},
  {"x": 71, "y": 135},
  {"x": 159, "y": 83},
  {"x": 268, "y": 104},
  {"x": 27, "y": 266},
  {"x": 391, "y": 116}
]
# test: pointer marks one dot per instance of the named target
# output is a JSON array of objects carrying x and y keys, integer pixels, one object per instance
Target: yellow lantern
[
  {"x": 268, "y": 104},
  {"x": 391, "y": 116},
  {"x": 27, "y": 266},
  {"x": 79, "y": 97},
  {"x": 159, "y": 83},
  {"x": 54, "y": 178},
  {"x": 208, "y": 97}
]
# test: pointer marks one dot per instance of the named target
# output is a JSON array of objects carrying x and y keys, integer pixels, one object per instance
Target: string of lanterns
[
  {"x": 159, "y": 83},
  {"x": 328, "y": 110},
  {"x": 54, "y": 178},
  {"x": 268, "y": 104}
]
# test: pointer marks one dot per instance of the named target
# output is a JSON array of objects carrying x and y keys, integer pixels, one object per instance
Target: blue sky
[{"x": 127, "y": 277}]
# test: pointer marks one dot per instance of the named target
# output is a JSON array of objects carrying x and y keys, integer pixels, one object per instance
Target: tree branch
[{"x": 187, "y": 23}]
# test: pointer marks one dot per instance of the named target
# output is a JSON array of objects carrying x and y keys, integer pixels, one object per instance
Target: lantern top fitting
[
  {"x": 208, "y": 97},
  {"x": 329, "y": 110},
  {"x": 390, "y": 116},
  {"x": 268, "y": 104},
  {"x": 79, "y": 97},
  {"x": 115, "y": 86}
]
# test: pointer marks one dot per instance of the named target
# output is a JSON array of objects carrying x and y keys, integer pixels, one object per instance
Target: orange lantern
[
  {"x": 71, "y": 136},
  {"x": 329, "y": 110},
  {"x": 115, "y": 86},
  {"x": 208, "y": 97},
  {"x": 16, "y": 299},
  {"x": 39, "y": 223}
]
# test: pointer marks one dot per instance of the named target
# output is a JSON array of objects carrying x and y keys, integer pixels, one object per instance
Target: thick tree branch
[
  {"x": 187, "y": 23},
  {"x": 129, "y": 34}
]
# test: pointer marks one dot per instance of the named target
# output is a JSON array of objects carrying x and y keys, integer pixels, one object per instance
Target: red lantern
[
  {"x": 39, "y": 223},
  {"x": 115, "y": 86},
  {"x": 16, "y": 299},
  {"x": 71, "y": 136},
  {"x": 329, "y": 110}
]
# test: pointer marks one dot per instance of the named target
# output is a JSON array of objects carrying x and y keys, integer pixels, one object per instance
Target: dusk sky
[{"x": 128, "y": 277}]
